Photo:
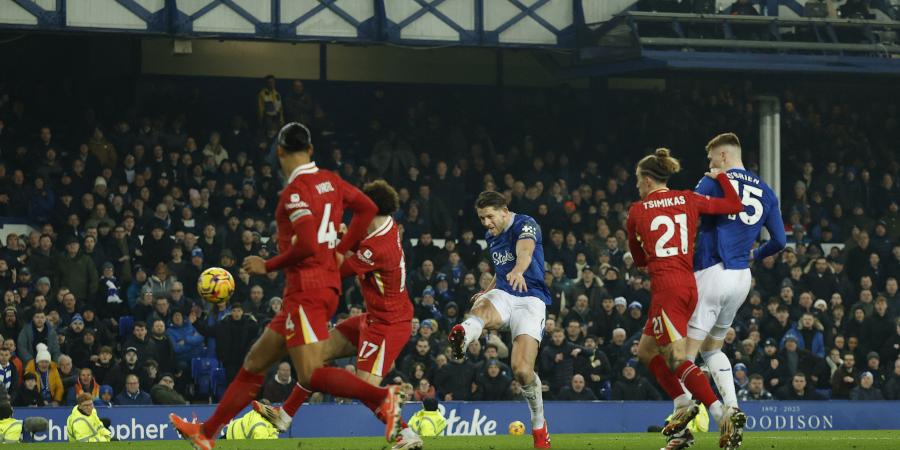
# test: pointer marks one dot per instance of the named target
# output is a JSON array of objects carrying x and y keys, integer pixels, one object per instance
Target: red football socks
[
  {"x": 666, "y": 379},
  {"x": 696, "y": 382},
  {"x": 341, "y": 383},
  {"x": 297, "y": 397},
  {"x": 376, "y": 409},
  {"x": 238, "y": 395}
]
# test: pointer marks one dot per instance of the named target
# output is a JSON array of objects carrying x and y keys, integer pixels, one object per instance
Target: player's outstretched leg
[
  {"x": 524, "y": 352},
  {"x": 462, "y": 334},
  {"x": 540, "y": 432},
  {"x": 720, "y": 370},
  {"x": 341, "y": 383},
  {"x": 685, "y": 409},
  {"x": 242, "y": 390},
  {"x": 696, "y": 382}
]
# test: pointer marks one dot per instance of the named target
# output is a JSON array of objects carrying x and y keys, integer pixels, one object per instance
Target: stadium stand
[{"x": 126, "y": 204}]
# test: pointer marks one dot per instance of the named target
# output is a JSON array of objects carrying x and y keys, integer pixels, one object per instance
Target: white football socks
[
  {"x": 534, "y": 396},
  {"x": 720, "y": 370},
  {"x": 473, "y": 326}
]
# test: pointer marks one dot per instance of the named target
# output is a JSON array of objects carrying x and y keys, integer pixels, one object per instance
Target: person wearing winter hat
[
  {"x": 106, "y": 397},
  {"x": 49, "y": 381}
]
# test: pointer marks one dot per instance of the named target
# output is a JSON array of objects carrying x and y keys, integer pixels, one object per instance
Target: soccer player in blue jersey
[
  {"x": 722, "y": 258},
  {"x": 517, "y": 297}
]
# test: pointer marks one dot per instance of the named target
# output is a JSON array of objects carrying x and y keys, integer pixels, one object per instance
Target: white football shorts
[
  {"x": 720, "y": 294},
  {"x": 523, "y": 315}
]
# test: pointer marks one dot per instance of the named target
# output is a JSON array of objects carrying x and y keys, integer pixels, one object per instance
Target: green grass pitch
[{"x": 794, "y": 440}]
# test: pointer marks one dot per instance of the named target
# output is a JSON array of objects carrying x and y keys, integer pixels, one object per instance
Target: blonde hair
[
  {"x": 659, "y": 166},
  {"x": 723, "y": 139}
]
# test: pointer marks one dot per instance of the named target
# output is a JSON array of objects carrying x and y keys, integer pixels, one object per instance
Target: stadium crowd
[{"x": 101, "y": 297}]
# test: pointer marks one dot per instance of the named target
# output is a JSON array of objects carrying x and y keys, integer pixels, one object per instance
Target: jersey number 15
[{"x": 749, "y": 197}]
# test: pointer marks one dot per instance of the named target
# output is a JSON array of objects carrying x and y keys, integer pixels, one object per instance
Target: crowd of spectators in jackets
[{"x": 101, "y": 296}]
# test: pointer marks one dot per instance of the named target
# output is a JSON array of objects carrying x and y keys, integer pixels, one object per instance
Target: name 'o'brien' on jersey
[
  {"x": 503, "y": 254},
  {"x": 728, "y": 239}
]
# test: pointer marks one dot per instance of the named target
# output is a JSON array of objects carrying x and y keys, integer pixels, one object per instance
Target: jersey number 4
[
  {"x": 749, "y": 197},
  {"x": 666, "y": 222},
  {"x": 327, "y": 233}
]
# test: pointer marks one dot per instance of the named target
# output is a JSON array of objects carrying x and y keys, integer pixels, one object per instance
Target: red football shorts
[
  {"x": 304, "y": 316},
  {"x": 378, "y": 343},
  {"x": 670, "y": 311}
]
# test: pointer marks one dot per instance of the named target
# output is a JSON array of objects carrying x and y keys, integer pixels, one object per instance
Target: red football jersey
[
  {"x": 381, "y": 267},
  {"x": 662, "y": 228},
  {"x": 317, "y": 195}
]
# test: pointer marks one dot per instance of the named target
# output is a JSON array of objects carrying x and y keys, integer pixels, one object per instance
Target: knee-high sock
[
  {"x": 341, "y": 383},
  {"x": 238, "y": 395},
  {"x": 295, "y": 400},
  {"x": 696, "y": 382},
  {"x": 473, "y": 326},
  {"x": 666, "y": 379},
  {"x": 535, "y": 399},
  {"x": 720, "y": 369},
  {"x": 376, "y": 409}
]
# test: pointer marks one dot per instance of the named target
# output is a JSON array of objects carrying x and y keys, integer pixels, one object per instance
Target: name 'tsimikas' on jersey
[
  {"x": 728, "y": 239},
  {"x": 503, "y": 254}
]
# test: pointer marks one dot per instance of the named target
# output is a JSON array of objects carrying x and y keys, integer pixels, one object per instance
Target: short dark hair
[
  {"x": 5, "y": 410},
  {"x": 492, "y": 199},
  {"x": 294, "y": 137},
  {"x": 756, "y": 376},
  {"x": 384, "y": 196},
  {"x": 430, "y": 404}
]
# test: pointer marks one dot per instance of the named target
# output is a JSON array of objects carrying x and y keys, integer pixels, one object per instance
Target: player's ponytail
[{"x": 660, "y": 165}]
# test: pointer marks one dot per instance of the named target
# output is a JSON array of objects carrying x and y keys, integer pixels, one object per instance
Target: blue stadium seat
[
  {"x": 825, "y": 393},
  {"x": 219, "y": 383},
  {"x": 605, "y": 391},
  {"x": 126, "y": 324},
  {"x": 202, "y": 370}
]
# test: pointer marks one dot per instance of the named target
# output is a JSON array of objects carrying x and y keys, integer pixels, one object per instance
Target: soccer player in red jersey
[
  {"x": 308, "y": 209},
  {"x": 377, "y": 336},
  {"x": 661, "y": 231}
]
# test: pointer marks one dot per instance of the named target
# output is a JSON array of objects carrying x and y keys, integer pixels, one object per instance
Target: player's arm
[
  {"x": 777, "y": 239},
  {"x": 729, "y": 204},
  {"x": 707, "y": 186},
  {"x": 528, "y": 234},
  {"x": 634, "y": 243},
  {"x": 304, "y": 228},
  {"x": 364, "y": 210},
  {"x": 516, "y": 277},
  {"x": 359, "y": 263}
]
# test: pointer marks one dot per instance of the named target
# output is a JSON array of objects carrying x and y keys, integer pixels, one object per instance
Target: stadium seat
[
  {"x": 825, "y": 393},
  {"x": 202, "y": 370},
  {"x": 126, "y": 324},
  {"x": 605, "y": 391},
  {"x": 219, "y": 383}
]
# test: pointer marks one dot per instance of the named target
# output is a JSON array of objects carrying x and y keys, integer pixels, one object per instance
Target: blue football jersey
[
  {"x": 503, "y": 254},
  {"x": 728, "y": 239}
]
